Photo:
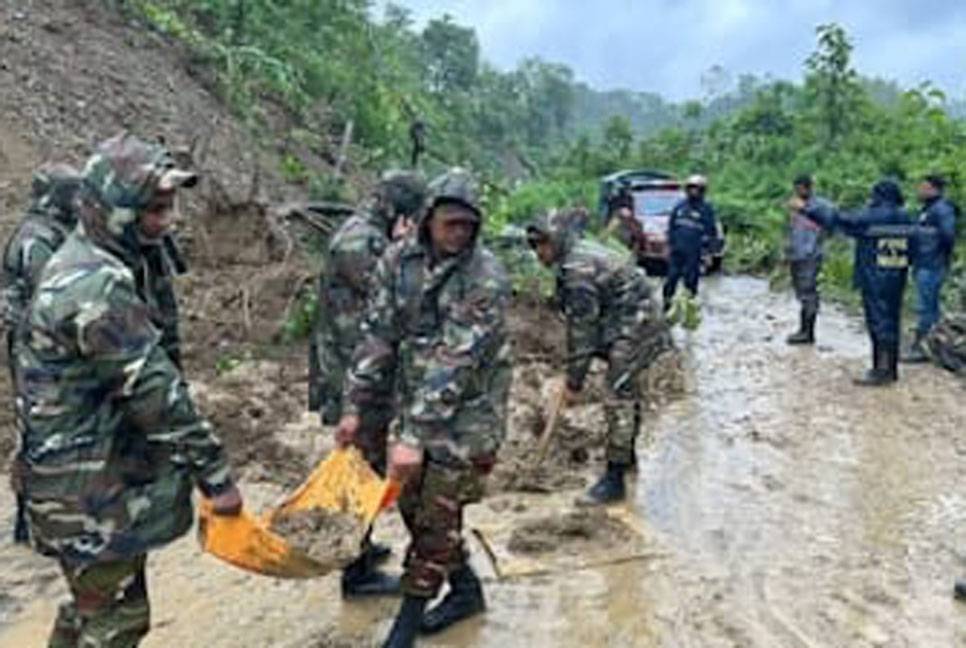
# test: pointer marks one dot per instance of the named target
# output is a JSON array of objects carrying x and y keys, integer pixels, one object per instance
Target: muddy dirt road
[{"x": 776, "y": 506}]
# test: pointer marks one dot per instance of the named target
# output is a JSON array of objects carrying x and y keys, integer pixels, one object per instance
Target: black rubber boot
[
  {"x": 609, "y": 489},
  {"x": 406, "y": 626},
  {"x": 891, "y": 361},
  {"x": 917, "y": 351},
  {"x": 379, "y": 553},
  {"x": 879, "y": 375},
  {"x": 464, "y": 600},
  {"x": 806, "y": 331},
  {"x": 21, "y": 535},
  {"x": 361, "y": 579},
  {"x": 959, "y": 590}
]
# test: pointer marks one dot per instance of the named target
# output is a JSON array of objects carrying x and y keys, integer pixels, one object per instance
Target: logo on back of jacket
[{"x": 892, "y": 253}]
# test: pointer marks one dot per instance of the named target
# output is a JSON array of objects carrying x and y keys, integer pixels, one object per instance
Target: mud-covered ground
[{"x": 775, "y": 506}]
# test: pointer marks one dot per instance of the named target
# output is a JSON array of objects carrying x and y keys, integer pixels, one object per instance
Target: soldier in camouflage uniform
[
  {"x": 43, "y": 229},
  {"x": 435, "y": 331},
  {"x": 112, "y": 442},
  {"x": 612, "y": 314},
  {"x": 345, "y": 287}
]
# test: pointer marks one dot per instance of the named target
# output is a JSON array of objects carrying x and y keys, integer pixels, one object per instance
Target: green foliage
[
  {"x": 293, "y": 170},
  {"x": 833, "y": 126},
  {"x": 300, "y": 318},
  {"x": 529, "y": 200},
  {"x": 543, "y": 139}
]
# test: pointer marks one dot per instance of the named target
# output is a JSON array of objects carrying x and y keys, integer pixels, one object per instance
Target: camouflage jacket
[
  {"x": 344, "y": 290},
  {"x": 32, "y": 244},
  {"x": 436, "y": 331},
  {"x": 154, "y": 274},
  {"x": 112, "y": 442},
  {"x": 605, "y": 297}
]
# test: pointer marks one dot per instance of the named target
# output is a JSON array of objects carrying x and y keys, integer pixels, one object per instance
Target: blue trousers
[{"x": 929, "y": 284}]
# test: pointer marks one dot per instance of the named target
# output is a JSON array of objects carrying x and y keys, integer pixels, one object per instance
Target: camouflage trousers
[
  {"x": 108, "y": 608},
  {"x": 371, "y": 439},
  {"x": 432, "y": 508},
  {"x": 622, "y": 400}
]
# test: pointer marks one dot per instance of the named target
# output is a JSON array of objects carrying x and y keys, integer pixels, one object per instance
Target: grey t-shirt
[{"x": 805, "y": 238}]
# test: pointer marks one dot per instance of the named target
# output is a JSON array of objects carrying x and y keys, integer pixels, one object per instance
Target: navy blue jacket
[
  {"x": 936, "y": 235},
  {"x": 884, "y": 234},
  {"x": 691, "y": 222}
]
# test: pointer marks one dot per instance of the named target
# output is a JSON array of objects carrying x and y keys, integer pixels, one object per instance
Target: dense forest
[{"x": 540, "y": 137}]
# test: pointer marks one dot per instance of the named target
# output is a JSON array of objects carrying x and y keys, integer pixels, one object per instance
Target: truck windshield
[{"x": 655, "y": 203}]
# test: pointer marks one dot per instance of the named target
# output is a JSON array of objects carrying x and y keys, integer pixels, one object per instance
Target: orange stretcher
[{"x": 341, "y": 482}]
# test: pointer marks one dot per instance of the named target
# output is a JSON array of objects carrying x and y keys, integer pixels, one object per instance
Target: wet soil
[
  {"x": 775, "y": 506},
  {"x": 570, "y": 532},
  {"x": 328, "y": 537}
]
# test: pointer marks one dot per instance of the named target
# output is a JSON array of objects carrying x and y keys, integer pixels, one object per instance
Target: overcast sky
[{"x": 665, "y": 45}]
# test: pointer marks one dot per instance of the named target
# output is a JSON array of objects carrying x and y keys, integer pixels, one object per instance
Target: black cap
[
  {"x": 936, "y": 180},
  {"x": 803, "y": 180}
]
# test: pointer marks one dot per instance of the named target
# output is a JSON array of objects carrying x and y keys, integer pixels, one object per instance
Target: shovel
[{"x": 342, "y": 482}]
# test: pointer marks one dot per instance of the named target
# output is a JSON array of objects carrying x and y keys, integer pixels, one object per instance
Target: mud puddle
[
  {"x": 775, "y": 506},
  {"x": 569, "y": 532}
]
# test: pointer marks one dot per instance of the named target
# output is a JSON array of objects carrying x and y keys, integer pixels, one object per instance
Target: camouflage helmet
[
  {"x": 553, "y": 226},
  {"x": 127, "y": 173},
  {"x": 47, "y": 175},
  {"x": 457, "y": 186},
  {"x": 53, "y": 189},
  {"x": 404, "y": 192}
]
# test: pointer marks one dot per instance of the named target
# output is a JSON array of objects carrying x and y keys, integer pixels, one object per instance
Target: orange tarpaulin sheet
[{"x": 342, "y": 482}]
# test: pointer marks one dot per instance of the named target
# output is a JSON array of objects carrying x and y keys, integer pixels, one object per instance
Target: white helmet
[{"x": 696, "y": 180}]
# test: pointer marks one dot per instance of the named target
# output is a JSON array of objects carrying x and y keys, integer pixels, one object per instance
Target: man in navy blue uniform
[
  {"x": 691, "y": 227},
  {"x": 935, "y": 238},
  {"x": 884, "y": 234}
]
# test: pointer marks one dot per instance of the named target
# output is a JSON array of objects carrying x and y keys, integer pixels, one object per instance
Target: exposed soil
[
  {"x": 328, "y": 537},
  {"x": 570, "y": 532}
]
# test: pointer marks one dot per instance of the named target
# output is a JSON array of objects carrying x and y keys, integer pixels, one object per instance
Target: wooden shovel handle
[{"x": 555, "y": 406}]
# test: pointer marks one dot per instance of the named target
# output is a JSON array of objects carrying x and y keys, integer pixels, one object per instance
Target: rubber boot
[
  {"x": 379, "y": 553},
  {"x": 879, "y": 374},
  {"x": 406, "y": 626},
  {"x": 959, "y": 590},
  {"x": 21, "y": 534},
  {"x": 361, "y": 579},
  {"x": 464, "y": 600},
  {"x": 609, "y": 489},
  {"x": 806, "y": 331},
  {"x": 891, "y": 360},
  {"x": 917, "y": 352}
]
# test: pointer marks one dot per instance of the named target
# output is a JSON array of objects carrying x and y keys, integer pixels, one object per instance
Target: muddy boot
[
  {"x": 21, "y": 533},
  {"x": 609, "y": 489},
  {"x": 959, "y": 590},
  {"x": 379, "y": 553},
  {"x": 464, "y": 600},
  {"x": 806, "y": 332},
  {"x": 406, "y": 626},
  {"x": 361, "y": 579},
  {"x": 879, "y": 374},
  {"x": 917, "y": 352}
]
